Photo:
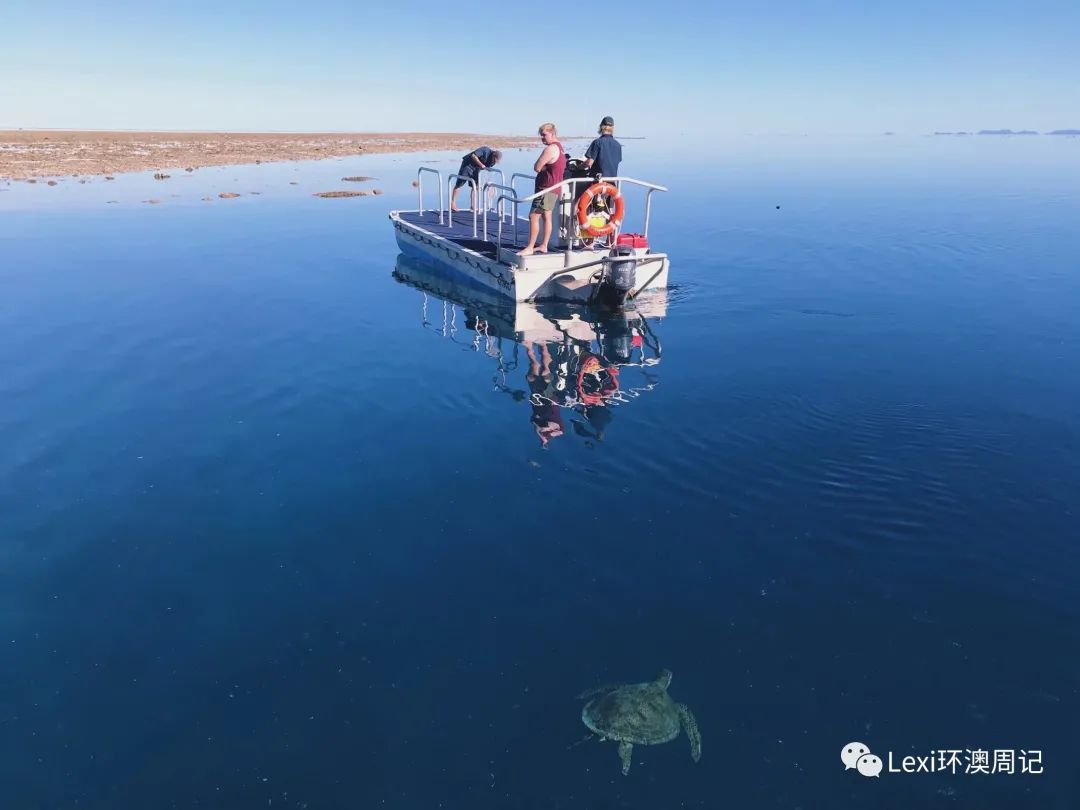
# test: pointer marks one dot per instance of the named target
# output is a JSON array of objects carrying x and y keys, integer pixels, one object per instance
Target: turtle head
[{"x": 664, "y": 678}]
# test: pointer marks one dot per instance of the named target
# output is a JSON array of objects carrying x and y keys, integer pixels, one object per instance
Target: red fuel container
[{"x": 634, "y": 240}]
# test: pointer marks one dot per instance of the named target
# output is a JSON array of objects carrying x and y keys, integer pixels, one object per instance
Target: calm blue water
[{"x": 277, "y": 532}]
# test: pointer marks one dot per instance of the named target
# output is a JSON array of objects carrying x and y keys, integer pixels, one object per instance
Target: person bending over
[{"x": 483, "y": 158}]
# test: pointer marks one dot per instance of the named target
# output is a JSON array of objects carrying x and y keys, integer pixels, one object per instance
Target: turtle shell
[{"x": 639, "y": 713}]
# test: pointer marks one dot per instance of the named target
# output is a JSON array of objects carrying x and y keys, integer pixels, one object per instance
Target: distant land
[
  {"x": 1010, "y": 132},
  {"x": 31, "y": 154}
]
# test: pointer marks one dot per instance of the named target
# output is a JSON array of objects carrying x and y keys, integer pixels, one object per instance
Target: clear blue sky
[{"x": 657, "y": 67}]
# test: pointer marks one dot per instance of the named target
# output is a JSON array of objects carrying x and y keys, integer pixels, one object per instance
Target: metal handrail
[
  {"x": 483, "y": 190},
  {"x": 498, "y": 232},
  {"x": 524, "y": 176},
  {"x": 502, "y": 177},
  {"x": 558, "y": 187},
  {"x": 501, "y": 210},
  {"x": 485, "y": 197},
  {"x": 618, "y": 181},
  {"x": 516, "y": 201},
  {"x": 476, "y": 209},
  {"x": 571, "y": 181},
  {"x": 420, "y": 189},
  {"x": 635, "y": 182},
  {"x": 568, "y": 184}
]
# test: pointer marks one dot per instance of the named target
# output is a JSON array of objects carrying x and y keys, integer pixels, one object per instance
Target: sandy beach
[{"x": 41, "y": 154}]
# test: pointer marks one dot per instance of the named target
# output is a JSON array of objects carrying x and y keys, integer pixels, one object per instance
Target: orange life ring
[
  {"x": 600, "y": 390},
  {"x": 586, "y": 200}
]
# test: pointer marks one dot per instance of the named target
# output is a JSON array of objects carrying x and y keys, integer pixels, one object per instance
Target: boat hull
[{"x": 557, "y": 275}]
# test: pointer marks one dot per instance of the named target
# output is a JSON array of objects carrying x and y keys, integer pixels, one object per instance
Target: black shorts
[{"x": 470, "y": 170}]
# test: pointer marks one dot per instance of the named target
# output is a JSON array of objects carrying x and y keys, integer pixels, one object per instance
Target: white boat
[{"x": 591, "y": 257}]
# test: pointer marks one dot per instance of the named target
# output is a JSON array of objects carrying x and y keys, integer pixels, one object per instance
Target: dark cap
[{"x": 608, "y": 121}]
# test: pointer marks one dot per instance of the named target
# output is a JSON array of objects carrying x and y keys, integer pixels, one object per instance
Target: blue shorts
[{"x": 470, "y": 170}]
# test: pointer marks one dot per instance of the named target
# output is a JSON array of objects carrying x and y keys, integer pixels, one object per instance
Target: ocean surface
[{"x": 281, "y": 526}]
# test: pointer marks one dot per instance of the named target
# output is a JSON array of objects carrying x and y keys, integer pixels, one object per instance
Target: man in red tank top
[{"x": 550, "y": 168}]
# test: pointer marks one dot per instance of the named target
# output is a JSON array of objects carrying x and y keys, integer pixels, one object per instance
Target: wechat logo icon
[{"x": 857, "y": 755}]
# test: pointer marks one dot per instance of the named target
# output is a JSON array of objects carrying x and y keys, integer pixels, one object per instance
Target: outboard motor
[{"x": 618, "y": 277}]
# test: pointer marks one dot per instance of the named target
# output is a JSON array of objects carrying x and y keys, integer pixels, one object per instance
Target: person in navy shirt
[
  {"x": 483, "y": 158},
  {"x": 605, "y": 153}
]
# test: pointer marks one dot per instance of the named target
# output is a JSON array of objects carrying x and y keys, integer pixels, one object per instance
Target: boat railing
[
  {"x": 565, "y": 189},
  {"x": 438, "y": 175},
  {"x": 650, "y": 188},
  {"x": 476, "y": 208},
  {"x": 489, "y": 204},
  {"x": 499, "y": 208},
  {"x": 522, "y": 175},
  {"x": 420, "y": 189},
  {"x": 502, "y": 177}
]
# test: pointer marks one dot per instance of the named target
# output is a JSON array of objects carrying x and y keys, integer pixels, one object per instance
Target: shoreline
[{"x": 43, "y": 154}]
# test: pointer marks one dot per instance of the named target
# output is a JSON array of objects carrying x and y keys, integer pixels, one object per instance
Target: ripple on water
[{"x": 866, "y": 474}]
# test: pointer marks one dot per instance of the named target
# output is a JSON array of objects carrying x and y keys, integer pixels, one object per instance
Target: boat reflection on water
[{"x": 572, "y": 364}]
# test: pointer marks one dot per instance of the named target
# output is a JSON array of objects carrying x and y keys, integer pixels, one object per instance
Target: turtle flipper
[
  {"x": 664, "y": 678},
  {"x": 690, "y": 725},
  {"x": 599, "y": 690},
  {"x": 625, "y": 749}
]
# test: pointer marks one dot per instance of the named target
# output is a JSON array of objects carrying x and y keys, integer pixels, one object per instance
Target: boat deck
[{"x": 461, "y": 232}]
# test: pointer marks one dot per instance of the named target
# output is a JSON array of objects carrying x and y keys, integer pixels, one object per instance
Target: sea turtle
[{"x": 641, "y": 713}]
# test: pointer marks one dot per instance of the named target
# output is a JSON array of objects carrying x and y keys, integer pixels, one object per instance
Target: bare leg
[
  {"x": 534, "y": 364},
  {"x": 534, "y": 229},
  {"x": 543, "y": 246},
  {"x": 453, "y": 199},
  {"x": 625, "y": 749}
]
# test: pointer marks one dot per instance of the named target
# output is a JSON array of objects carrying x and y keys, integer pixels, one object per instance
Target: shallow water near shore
[{"x": 278, "y": 529}]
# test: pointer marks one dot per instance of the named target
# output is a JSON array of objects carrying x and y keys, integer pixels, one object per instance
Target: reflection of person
[
  {"x": 605, "y": 153},
  {"x": 546, "y": 414},
  {"x": 550, "y": 168},
  {"x": 483, "y": 158},
  {"x": 598, "y": 418}
]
